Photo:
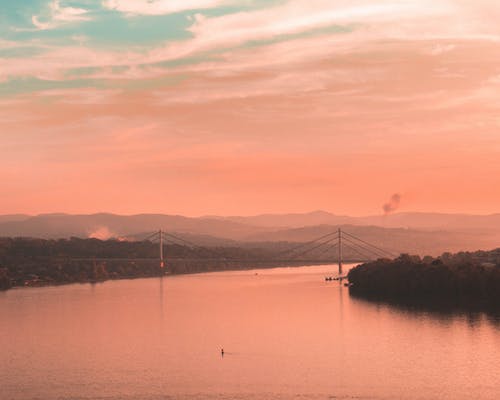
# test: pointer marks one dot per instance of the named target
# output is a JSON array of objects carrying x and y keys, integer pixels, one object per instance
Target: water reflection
[
  {"x": 161, "y": 297},
  {"x": 442, "y": 311},
  {"x": 286, "y": 333}
]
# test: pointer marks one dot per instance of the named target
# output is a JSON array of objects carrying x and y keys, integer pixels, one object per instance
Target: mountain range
[{"x": 429, "y": 233}]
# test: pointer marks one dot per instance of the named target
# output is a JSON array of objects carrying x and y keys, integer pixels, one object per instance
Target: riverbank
[
  {"x": 105, "y": 270},
  {"x": 28, "y": 262}
]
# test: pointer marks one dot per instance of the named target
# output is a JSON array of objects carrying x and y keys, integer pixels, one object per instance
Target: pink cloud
[
  {"x": 161, "y": 7},
  {"x": 410, "y": 20},
  {"x": 60, "y": 15}
]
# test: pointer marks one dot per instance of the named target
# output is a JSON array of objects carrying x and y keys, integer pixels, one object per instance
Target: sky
[{"x": 239, "y": 107}]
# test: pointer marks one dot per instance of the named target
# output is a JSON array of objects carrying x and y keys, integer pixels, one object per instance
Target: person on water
[{"x": 222, "y": 352}]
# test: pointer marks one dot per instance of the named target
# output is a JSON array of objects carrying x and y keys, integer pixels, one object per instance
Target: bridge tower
[
  {"x": 162, "y": 262},
  {"x": 340, "y": 251}
]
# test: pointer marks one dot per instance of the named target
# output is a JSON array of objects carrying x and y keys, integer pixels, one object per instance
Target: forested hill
[
  {"x": 465, "y": 277},
  {"x": 34, "y": 262}
]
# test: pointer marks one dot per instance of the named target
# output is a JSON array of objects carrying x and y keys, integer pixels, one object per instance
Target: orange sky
[{"x": 403, "y": 101}]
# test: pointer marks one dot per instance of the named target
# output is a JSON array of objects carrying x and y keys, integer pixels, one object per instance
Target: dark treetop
[{"x": 461, "y": 278}]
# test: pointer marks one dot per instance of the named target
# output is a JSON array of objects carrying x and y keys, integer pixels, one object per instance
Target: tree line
[
  {"x": 472, "y": 277},
  {"x": 37, "y": 262}
]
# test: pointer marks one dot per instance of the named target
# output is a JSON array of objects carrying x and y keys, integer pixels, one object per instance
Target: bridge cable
[
  {"x": 189, "y": 249},
  {"x": 189, "y": 243},
  {"x": 152, "y": 235},
  {"x": 367, "y": 249},
  {"x": 291, "y": 250},
  {"x": 332, "y": 247},
  {"x": 371, "y": 245},
  {"x": 314, "y": 248},
  {"x": 367, "y": 257}
]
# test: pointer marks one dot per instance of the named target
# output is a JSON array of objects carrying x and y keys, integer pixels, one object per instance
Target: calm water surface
[{"x": 287, "y": 334}]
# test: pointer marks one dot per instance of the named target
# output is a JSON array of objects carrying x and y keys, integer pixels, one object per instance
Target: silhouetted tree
[
  {"x": 464, "y": 276},
  {"x": 5, "y": 282}
]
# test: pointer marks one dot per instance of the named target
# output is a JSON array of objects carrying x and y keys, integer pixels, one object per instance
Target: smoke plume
[
  {"x": 393, "y": 204},
  {"x": 102, "y": 233}
]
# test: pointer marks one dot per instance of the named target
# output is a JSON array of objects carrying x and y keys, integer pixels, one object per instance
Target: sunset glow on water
[{"x": 286, "y": 333}]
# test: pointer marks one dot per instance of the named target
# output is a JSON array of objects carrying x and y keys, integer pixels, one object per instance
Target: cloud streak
[
  {"x": 161, "y": 7},
  {"x": 59, "y": 15},
  {"x": 355, "y": 25},
  {"x": 297, "y": 105}
]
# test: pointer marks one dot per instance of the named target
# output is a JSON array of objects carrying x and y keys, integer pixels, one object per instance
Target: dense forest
[
  {"x": 465, "y": 277},
  {"x": 37, "y": 262}
]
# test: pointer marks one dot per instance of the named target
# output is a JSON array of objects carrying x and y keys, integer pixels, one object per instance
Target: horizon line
[{"x": 200, "y": 216}]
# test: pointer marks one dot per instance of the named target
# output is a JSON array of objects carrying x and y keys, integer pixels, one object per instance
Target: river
[{"x": 286, "y": 333}]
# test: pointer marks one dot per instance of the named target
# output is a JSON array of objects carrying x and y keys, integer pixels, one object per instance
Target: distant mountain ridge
[
  {"x": 413, "y": 232},
  {"x": 416, "y": 220},
  {"x": 13, "y": 217},
  {"x": 112, "y": 225},
  {"x": 291, "y": 220}
]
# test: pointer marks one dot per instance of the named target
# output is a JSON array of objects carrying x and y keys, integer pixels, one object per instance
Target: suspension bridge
[{"x": 329, "y": 248}]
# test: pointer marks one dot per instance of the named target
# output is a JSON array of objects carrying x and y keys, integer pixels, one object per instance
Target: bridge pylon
[
  {"x": 162, "y": 261},
  {"x": 340, "y": 251}
]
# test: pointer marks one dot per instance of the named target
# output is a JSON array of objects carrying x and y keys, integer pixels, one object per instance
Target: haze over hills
[
  {"x": 105, "y": 225},
  {"x": 13, "y": 217},
  {"x": 422, "y": 233},
  {"x": 417, "y": 220},
  {"x": 291, "y": 220},
  {"x": 394, "y": 240},
  {"x": 420, "y": 220}
]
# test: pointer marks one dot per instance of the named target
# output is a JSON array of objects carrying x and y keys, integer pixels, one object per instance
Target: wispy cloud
[
  {"x": 284, "y": 21},
  {"x": 284, "y": 43},
  {"x": 398, "y": 85},
  {"x": 296, "y": 17},
  {"x": 161, "y": 7},
  {"x": 59, "y": 15}
]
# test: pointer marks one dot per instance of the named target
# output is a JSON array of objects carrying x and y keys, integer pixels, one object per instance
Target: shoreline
[
  {"x": 463, "y": 281},
  {"x": 255, "y": 265}
]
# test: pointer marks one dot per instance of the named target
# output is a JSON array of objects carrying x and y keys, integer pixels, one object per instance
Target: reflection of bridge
[{"x": 333, "y": 245}]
